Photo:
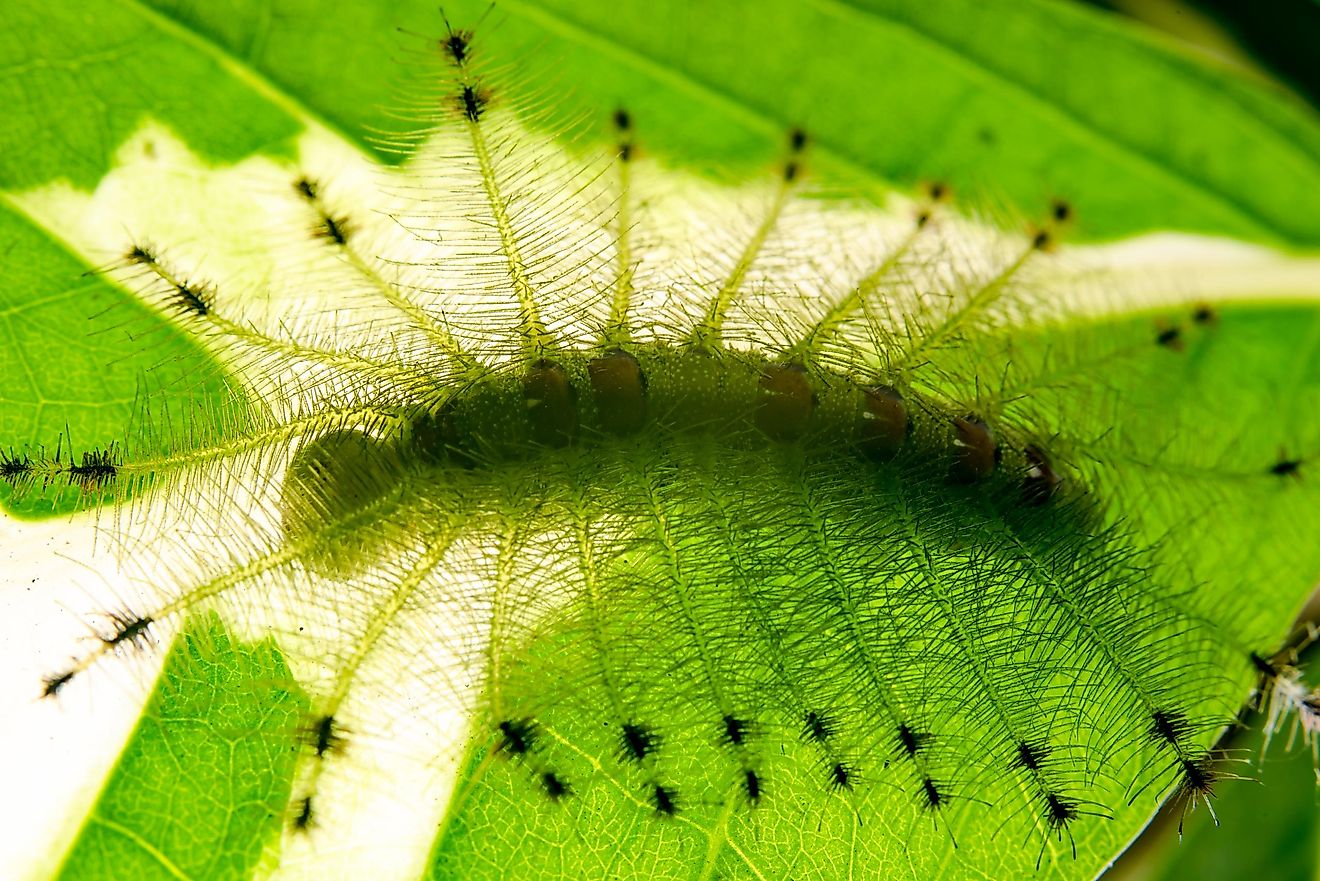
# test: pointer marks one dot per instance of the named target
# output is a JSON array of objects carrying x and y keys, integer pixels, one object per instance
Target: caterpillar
[{"x": 742, "y": 511}]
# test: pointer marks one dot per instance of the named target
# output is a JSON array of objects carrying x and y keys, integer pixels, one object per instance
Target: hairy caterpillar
[{"x": 627, "y": 467}]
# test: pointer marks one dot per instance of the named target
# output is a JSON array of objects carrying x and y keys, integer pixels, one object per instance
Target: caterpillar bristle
[{"x": 697, "y": 501}]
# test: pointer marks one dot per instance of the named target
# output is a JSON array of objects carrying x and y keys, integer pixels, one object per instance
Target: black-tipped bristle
[
  {"x": 817, "y": 727},
  {"x": 841, "y": 776},
  {"x": 1031, "y": 756},
  {"x": 472, "y": 103},
  {"x": 51, "y": 685},
  {"x": 931, "y": 795},
  {"x": 302, "y": 820},
  {"x": 734, "y": 731},
  {"x": 97, "y": 470},
  {"x": 1169, "y": 726},
  {"x": 325, "y": 738},
  {"x": 638, "y": 741},
  {"x": 129, "y": 630},
  {"x": 518, "y": 736},
  {"x": 752, "y": 786},
  {"x": 665, "y": 800},
  {"x": 555, "y": 786}
]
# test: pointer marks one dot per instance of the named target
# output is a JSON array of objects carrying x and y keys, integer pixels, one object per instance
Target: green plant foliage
[
  {"x": 1267, "y": 823},
  {"x": 746, "y": 528},
  {"x": 201, "y": 788}
]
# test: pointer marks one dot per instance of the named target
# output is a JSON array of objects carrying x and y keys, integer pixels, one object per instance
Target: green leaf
[
  {"x": 1267, "y": 825},
  {"x": 73, "y": 359},
  {"x": 1174, "y": 551},
  {"x": 203, "y": 783}
]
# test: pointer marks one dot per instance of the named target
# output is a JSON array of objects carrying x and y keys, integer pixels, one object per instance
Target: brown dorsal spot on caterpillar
[
  {"x": 551, "y": 404},
  {"x": 307, "y": 188},
  {"x": 51, "y": 685},
  {"x": 1042, "y": 481},
  {"x": 1060, "y": 812},
  {"x": 1061, "y": 211},
  {"x": 96, "y": 470},
  {"x": 785, "y": 402},
  {"x": 333, "y": 229},
  {"x": 623, "y": 126},
  {"x": 1197, "y": 779},
  {"x": 141, "y": 255},
  {"x": 797, "y": 142},
  {"x": 932, "y": 797},
  {"x": 16, "y": 469},
  {"x": 302, "y": 818},
  {"x": 619, "y": 387},
  {"x": 1204, "y": 314},
  {"x": 192, "y": 299},
  {"x": 975, "y": 452},
  {"x": 456, "y": 45},
  {"x": 911, "y": 741},
  {"x": 883, "y": 425}
]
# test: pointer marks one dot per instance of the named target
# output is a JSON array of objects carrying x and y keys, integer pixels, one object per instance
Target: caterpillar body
[{"x": 747, "y": 528}]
